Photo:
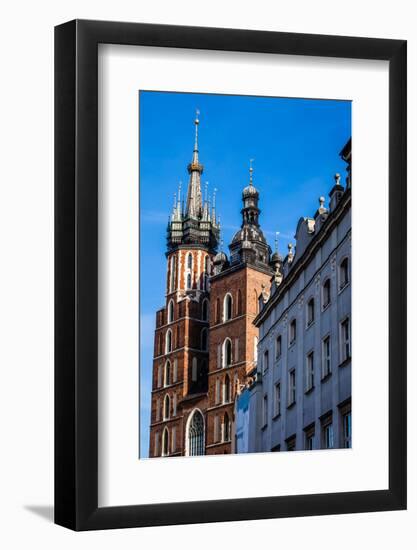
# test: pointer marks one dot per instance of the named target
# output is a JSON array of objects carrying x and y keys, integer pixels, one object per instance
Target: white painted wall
[{"x": 26, "y": 276}]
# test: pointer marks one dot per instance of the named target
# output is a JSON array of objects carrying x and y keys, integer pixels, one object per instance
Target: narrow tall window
[
  {"x": 174, "y": 405},
  {"x": 165, "y": 442},
  {"x": 239, "y": 302},
  {"x": 188, "y": 281},
  {"x": 293, "y": 331},
  {"x": 168, "y": 341},
  {"x": 166, "y": 407},
  {"x": 226, "y": 427},
  {"x": 227, "y": 352},
  {"x": 326, "y": 366},
  {"x": 159, "y": 377},
  {"x": 167, "y": 373},
  {"x": 310, "y": 312},
  {"x": 347, "y": 430},
  {"x": 265, "y": 361},
  {"x": 175, "y": 371},
  {"x": 344, "y": 273},
  {"x": 310, "y": 371},
  {"x": 277, "y": 399},
  {"x": 194, "y": 373},
  {"x": 309, "y": 438},
  {"x": 172, "y": 274},
  {"x": 328, "y": 434},
  {"x": 170, "y": 311},
  {"x": 291, "y": 443},
  {"x": 174, "y": 439},
  {"x": 265, "y": 410},
  {"x": 205, "y": 310},
  {"x": 157, "y": 409},
  {"x": 278, "y": 347},
  {"x": 227, "y": 307},
  {"x": 291, "y": 387},
  {"x": 217, "y": 392},
  {"x": 226, "y": 389},
  {"x": 204, "y": 339},
  {"x": 344, "y": 340},
  {"x": 216, "y": 434},
  {"x": 326, "y": 293},
  {"x": 190, "y": 261}
]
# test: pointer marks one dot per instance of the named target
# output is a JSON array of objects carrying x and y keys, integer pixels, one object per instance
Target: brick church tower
[
  {"x": 235, "y": 290},
  {"x": 180, "y": 364},
  {"x": 205, "y": 342}
]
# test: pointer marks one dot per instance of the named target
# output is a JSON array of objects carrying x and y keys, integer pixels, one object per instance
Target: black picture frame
[{"x": 76, "y": 272}]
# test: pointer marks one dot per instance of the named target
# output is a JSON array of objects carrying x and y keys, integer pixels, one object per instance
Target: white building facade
[{"x": 301, "y": 399}]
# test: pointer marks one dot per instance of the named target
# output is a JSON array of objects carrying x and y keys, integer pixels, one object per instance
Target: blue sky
[{"x": 295, "y": 145}]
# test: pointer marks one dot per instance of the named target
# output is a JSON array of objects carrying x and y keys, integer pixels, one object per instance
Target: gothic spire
[{"x": 194, "y": 204}]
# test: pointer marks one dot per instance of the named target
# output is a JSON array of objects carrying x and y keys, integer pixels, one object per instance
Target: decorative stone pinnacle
[{"x": 337, "y": 179}]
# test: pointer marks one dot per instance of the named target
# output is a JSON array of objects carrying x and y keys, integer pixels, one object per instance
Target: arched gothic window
[
  {"x": 227, "y": 307},
  {"x": 190, "y": 261},
  {"x": 167, "y": 373},
  {"x": 227, "y": 352},
  {"x": 170, "y": 311},
  {"x": 195, "y": 434},
  {"x": 204, "y": 339},
  {"x": 166, "y": 407},
  {"x": 165, "y": 442},
  {"x": 168, "y": 341},
  {"x": 188, "y": 281},
  {"x": 205, "y": 310}
]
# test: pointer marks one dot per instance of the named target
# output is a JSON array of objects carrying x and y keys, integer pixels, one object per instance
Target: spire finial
[
  {"x": 179, "y": 190},
  {"x": 251, "y": 171},
  {"x": 196, "y": 122},
  {"x": 337, "y": 179},
  {"x": 276, "y": 240},
  {"x": 175, "y": 200}
]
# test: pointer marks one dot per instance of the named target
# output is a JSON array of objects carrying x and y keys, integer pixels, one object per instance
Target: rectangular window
[
  {"x": 309, "y": 433},
  {"x": 265, "y": 411},
  {"x": 277, "y": 399},
  {"x": 327, "y": 433},
  {"x": 310, "y": 312},
  {"x": 310, "y": 371},
  {"x": 265, "y": 362},
  {"x": 346, "y": 426},
  {"x": 278, "y": 347},
  {"x": 293, "y": 332},
  {"x": 326, "y": 367},
  {"x": 276, "y": 449},
  {"x": 291, "y": 387},
  {"x": 344, "y": 340},
  {"x": 291, "y": 441}
]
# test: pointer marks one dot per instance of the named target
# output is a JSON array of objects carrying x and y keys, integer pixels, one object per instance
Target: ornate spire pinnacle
[
  {"x": 195, "y": 169},
  {"x": 251, "y": 171}
]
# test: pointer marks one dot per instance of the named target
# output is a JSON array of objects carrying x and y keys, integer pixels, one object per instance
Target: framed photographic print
[{"x": 230, "y": 285}]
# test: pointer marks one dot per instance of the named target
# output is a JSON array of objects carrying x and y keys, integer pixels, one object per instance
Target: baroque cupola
[{"x": 249, "y": 244}]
